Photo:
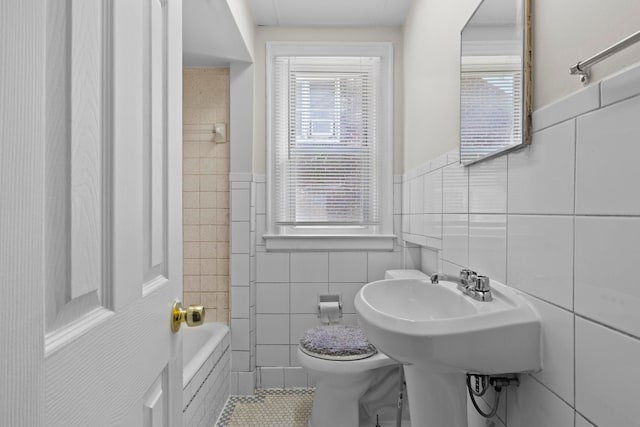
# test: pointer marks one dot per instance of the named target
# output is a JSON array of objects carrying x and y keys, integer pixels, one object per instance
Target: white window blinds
[
  {"x": 325, "y": 141},
  {"x": 491, "y": 110}
]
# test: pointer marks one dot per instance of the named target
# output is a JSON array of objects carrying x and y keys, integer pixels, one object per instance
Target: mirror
[{"x": 495, "y": 80}]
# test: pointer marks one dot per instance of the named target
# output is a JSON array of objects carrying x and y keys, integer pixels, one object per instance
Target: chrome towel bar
[{"x": 582, "y": 68}]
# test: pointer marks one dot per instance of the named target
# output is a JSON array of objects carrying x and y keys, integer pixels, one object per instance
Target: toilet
[{"x": 350, "y": 387}]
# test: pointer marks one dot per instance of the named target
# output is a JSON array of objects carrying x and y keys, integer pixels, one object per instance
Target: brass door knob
[{"x": 192, "y": 316}]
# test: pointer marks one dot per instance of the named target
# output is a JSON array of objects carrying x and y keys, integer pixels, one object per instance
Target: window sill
[{"x": 375, "y": 242}]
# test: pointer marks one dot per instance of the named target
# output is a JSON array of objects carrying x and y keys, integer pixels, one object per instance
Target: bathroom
[{"x": 546, "y": 219}]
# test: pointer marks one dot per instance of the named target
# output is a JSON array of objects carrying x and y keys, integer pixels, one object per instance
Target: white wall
[
  {"x": 431, "y": 77},
  {"x": 564, "y": 32},
  {"x": 265, "y": 34}
]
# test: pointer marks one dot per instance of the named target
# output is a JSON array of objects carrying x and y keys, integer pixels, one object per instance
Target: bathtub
[{"x": 205, "y": 375}]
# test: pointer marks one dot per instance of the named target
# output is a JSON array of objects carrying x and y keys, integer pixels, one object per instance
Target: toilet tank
[{"x": 405, "y": 274}]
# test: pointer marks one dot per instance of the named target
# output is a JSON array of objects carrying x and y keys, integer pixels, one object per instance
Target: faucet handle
[
  {"x": 482, "y": 284},
  {"x": 466, "y": 275}
]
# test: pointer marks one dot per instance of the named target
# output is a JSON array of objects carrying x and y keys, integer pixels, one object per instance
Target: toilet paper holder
[{"x": 330, "y": 298}]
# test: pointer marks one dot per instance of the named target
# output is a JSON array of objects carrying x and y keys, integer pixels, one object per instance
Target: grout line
[
  {"x": 573, "y": 255},
  {"x": 606, "y": 326}
]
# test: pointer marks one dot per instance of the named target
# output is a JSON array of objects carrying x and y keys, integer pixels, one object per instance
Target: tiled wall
[
  {"x": 205, "y": 395},
  {"x": 560, "y": 221},
  {"x": 275, "y": 300},
  {"x": 206, "y": 192}
]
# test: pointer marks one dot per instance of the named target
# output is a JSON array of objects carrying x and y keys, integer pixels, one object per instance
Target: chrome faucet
[
  {"x": 477, "y": 287},
  {"x": 467, "y": 279},
  {"x": 482, "y": 289}
]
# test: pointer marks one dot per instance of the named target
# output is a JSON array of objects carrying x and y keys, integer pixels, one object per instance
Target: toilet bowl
[
  {"x": 342, "y": 382},
  {"x": 339, "y": 386}
]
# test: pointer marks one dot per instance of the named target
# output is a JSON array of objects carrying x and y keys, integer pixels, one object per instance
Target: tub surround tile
[
  {"x": 607, "y": 150},
  {"x": 604, "y": 290},
  {"x": 607, "y": 375}
]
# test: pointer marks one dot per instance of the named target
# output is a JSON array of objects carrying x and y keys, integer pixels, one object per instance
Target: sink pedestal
[{"x": 436, "y": 399}]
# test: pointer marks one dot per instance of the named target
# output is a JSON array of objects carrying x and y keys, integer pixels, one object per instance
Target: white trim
[
  {"x": 384, "y": 50},
  {"x": 372, "y": 242}
]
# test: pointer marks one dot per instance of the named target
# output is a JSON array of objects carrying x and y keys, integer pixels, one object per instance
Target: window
[{"x": 329, "y": 146}]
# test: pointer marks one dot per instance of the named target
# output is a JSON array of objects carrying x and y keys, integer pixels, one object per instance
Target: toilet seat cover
[{"x": 337, "y": 342}]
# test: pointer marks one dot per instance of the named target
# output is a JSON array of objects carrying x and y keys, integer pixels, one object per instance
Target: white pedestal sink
[{"x": 440, "y": 334}]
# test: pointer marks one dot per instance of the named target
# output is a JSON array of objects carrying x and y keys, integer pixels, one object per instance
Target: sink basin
[{"x": 440, "y": 334}]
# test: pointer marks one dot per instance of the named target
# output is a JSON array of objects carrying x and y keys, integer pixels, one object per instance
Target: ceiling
[{"x": 325, "y": 13}]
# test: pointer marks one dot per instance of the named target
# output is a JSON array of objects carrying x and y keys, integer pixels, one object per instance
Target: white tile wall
[
  {"x": 455, "y": 189},
  {"x": 559, "y": 220},
  {"x": 534, "y": 405},
  {"x": 607, "y": 253},
  {"x": 488, "y": 245},
  {"x": 273, "y": 355},
  {"x": 607, "y": 375},
  {"x": 379, "y": 262},
  {"x": 272, "y": 298},
  {"x": 310, "y": 267},
  {"x": 557, "y": 349},
  {"x": 272, "y": 267},
  {"x": 607, "y": 172},
  {"x": 348, "y": 267},
  {"x": 205, "y": 395},
  {"x": 304, "y": 297},
  {"x": 488, "y": 186},
  {"x": 455, "y": 238},
  {"x": 540, "y": 176},
  {"x": 271, "y": 377},
  {"x": 540, "y": 257}
]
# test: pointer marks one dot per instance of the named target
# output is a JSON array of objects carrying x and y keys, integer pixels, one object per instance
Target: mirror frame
[{"x": 527, "y": 83}]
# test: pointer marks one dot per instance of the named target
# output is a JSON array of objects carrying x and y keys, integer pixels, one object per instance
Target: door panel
[{"x": 113, "y": 230}]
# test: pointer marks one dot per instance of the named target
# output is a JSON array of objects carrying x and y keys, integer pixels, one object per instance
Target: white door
[{"x": 102, "y": 213}]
